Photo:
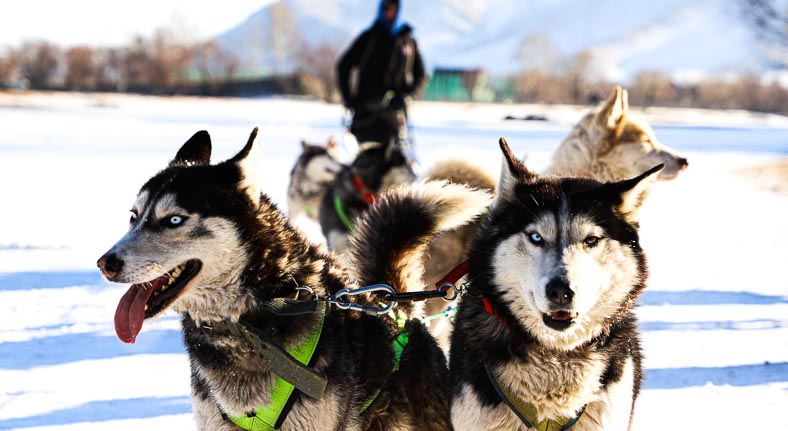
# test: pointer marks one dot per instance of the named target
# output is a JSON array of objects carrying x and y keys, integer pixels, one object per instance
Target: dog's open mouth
[
  {"x": 559, "y": 320},
  {"x": 147, "y": 299}
]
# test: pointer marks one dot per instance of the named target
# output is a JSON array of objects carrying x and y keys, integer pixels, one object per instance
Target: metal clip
[
  {"x": 458, "y": 291},
  {"x": 371, "y": 310}
]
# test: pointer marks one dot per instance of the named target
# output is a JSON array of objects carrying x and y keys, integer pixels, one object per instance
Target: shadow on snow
[
  {"x": 50, "y": 280},
  {"x": 61, "y": 349},
  {"x": 707, "y": 297},
  {"x": 102, "y": 411},
  {"x": 739, "y": 375}
]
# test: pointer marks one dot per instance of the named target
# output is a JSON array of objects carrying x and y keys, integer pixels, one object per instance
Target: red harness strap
[
  {"x": 453, "y": 275},
  {"x": 367, "y": 195}
]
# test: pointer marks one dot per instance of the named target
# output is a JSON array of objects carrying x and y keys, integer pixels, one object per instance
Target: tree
[
  {"x": 653, "y": 88},
  {"x": 8, "y": 68},
  {"x": 80, "y": 68},
  {"x": 38, "y": 63},
  {"x": 213, "y": 63},
  {"x": 285, "y": 38},
  {"x": 320, "y": 63},
  {"x": 768, "y": 20}
]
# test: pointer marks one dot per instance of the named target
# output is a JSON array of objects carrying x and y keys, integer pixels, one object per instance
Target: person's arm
[
  {"x": 418, "y": 70},
  {"x": 350, "y": 59}
]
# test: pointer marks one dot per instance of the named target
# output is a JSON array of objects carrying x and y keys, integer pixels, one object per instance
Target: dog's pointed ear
[
  {"x": 513, "y": 171},
  {"x": 304, "y": 145},
  {"x": 248, "y": 161},
  {"x": 633, "y": 192},
  {"x": 195, "y": 152},
  {"x": 612, "y": 111}
]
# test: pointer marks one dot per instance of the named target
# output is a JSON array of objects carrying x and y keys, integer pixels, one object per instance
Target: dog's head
[
  {"x": 184, "y": 237},
  {"x": 625, "y": 144},
  {"x": 562, "y": 254},
  {"x": 381, "y": 166},
  {"x": 318, "y": 163}
]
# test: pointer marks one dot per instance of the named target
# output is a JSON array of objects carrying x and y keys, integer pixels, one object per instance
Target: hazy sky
[{"x": 112, "y": 22}]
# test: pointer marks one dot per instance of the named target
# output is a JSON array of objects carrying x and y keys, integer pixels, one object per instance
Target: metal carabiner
[{"x": 371, "y": 310}]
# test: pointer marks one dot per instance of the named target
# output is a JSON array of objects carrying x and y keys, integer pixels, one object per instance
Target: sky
[{"x": 114, "y": 23}]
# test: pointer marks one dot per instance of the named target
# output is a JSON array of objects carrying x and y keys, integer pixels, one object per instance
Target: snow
[{"x": 714, "y": 323}]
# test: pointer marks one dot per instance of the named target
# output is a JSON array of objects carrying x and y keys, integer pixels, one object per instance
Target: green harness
[
  {"x": 283, "y": 393},
  {"x": 527, "y": 411}
]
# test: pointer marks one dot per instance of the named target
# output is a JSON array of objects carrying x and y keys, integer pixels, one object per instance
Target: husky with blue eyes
[
  {"x": 546, "y": 338},
  {"x": 269, "y": 345}
]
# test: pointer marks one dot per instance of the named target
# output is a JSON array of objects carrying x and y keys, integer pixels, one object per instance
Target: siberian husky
[
  {"x": 205, "y": 241},
  {"x": 314, "y": 170},
  {"x": 545, "y": 337},
  {"x": 608, "y": 144},
  {"x": 376, "y": 168}
]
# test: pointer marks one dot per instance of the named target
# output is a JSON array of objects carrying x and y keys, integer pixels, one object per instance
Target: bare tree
[
  {"x": 768, "y": 20},
  {"x": 537, "y": 53},
  {"x": 8, "y": 68},
  {"x": 320, "y": 63},
  {"x": 652, "y": 88},
  {"x": 80, "y": 68},
  {"x": 214, "y": 63},
  {"x": 285, "y": 38},
  {"x": 38, "y": 63}
]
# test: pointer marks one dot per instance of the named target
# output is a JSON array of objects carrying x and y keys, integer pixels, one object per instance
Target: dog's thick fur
[
  {"x": 314, "y": 170},
  {"x": 377, "y": 167},
  {"x": 206, "y": 242},
  {"x": 608, "y": 144},
  {"x": 559, "y": 266}
]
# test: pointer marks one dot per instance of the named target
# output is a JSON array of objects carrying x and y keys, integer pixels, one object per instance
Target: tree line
[{"x": 160, "y": 64}]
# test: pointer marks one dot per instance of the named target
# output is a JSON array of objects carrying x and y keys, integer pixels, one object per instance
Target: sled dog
[
  {"x": 546, "y": 338},
  {"x": 314, "y": 170},
  {"x": 267, "y": 346},
  {"x": 608, "y": 144},
  {"x": 376, "y": 168}
]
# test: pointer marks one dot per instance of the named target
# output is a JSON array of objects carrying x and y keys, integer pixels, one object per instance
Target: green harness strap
[
  {"x": 340, "y": 209},
  {"x": 399, "y": 346},
  {"x": 527, "y": 411},
  {"x": 266, "y": 418}
]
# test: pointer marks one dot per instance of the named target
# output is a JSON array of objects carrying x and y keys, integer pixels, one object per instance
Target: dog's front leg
[{"x": 208, "y": 417}]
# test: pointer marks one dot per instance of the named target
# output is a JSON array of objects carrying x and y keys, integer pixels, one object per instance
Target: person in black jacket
[{"x": 379, "y": 70}]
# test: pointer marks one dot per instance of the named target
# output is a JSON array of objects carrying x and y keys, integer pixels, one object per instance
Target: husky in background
[
  {"x": 313, "y": 172},
  {"x": 546, "y": 336},
  {"x": 205, "y": 241},
  {"x": 376, "y": 168},
  {"x": 608, "y": 144}
]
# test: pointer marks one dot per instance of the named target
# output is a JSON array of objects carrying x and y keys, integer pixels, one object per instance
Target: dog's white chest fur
[{"x": 557, "y": 386}]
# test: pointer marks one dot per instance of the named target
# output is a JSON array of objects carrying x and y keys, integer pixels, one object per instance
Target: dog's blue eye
[
  {"x": 591, "y": 241},
  {"x": 535, "y": 238},
  {"x": 175, "y": 220},
  {"x": 133, "y": 217}
]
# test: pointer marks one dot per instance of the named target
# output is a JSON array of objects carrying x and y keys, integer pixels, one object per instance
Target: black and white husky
[
  {"x": 312, "y": 173},
  {"x": 545, "y": 337},
  {"x": 546, "y": 332},
  {"x": 204, "y": 241},
  {"x": 376, "y": 168}
]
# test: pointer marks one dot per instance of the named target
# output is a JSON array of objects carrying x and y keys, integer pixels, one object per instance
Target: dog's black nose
[
  {"x": 558, "y": 291},
  {"x": 110, "y": 265},
  {"x": 683, "y": 163}
]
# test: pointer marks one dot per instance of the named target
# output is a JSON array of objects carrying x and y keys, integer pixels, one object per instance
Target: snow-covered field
[{"x": 713, "y": 319}]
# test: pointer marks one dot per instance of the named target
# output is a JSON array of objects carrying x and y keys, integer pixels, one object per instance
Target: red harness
[
  {"x": 458, "y": 272},
  {"x": 363, "y": 190}
]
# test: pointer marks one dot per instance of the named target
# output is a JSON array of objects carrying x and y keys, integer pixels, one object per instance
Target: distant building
[{"x": 467, "y": 85}]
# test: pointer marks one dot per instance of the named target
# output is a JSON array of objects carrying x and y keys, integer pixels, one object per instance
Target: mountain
[{"x": 685, "y": 38}]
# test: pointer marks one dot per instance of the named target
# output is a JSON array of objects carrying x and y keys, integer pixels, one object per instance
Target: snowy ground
[{"x": 713, "y": 319}]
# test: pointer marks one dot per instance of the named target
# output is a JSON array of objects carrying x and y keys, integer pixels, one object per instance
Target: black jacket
[{"x": 384, "y": 63}]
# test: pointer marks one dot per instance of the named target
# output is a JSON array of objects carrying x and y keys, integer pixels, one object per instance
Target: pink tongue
[{"x": 131, "y": 309}]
